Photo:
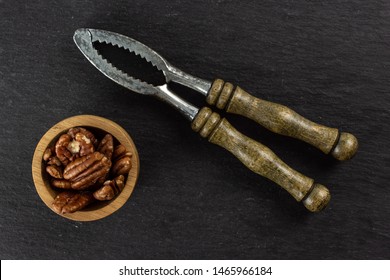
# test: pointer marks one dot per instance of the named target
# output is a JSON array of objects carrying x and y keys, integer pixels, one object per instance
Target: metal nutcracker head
[{"x": 84, "y": 39}]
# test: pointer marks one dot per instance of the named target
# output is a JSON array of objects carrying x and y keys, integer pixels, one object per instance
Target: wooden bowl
[{"x": 99, "y": 126}]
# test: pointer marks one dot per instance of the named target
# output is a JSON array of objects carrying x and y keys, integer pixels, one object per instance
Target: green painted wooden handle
[
  {"x": 260, "y": 159},
  {"x": 282, "y": 120}
]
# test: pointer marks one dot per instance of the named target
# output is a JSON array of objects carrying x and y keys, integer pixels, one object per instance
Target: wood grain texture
[
  {"x": 260, "y": 159},
  {"x": 95, "y": 124},
  {"x": 282, "y": 120}
]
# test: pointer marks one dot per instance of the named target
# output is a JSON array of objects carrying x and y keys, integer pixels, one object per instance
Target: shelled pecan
[
  {"x": 61, "y": 183},
  {"x": 83, "y": 142},
  {"x": 119, "y": 152},
  {"x": 74, "y": 130},
  {"x": 47, "y": 154},
  {"x": 70, "y": 201},
  {"x": 86, "y": 168},
  {"x": 122, "y": 166},
  {"x": 54, "y": 161},
  {"x": 86, "y": 171},
  {"x": 61, "y": 149},
  {"x": 54, "y": 171},
  {"x": 121, "y": 161},
  {"x": 106, "y": 146},
  {"x": 110, "y": 188}
]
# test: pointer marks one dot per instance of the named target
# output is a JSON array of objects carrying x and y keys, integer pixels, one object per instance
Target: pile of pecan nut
[{"x": 85, "y": 169}]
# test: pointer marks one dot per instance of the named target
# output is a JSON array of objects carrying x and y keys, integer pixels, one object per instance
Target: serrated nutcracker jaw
[{"x": 84, "y": 39}]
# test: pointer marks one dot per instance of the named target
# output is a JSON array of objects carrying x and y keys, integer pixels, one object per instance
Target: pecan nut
[
  {"x": 74, "y": 130},
  {"x": 110, "y": 188},
  {"x": 69, "y": 201},
  {"x": 80, "y": 166},
  {"x": 121, "y": 161},
  {"x": 61, "y": 149},
  {"x": 122, "y": 166},
  {"x": 54, "y": 171},
  {"x": 61, "y": 183},
  {"x": 54, "y": 161},
  {"x": 82, "y": 144},
  {"x": 119, "y": 152},
  {"x": 87, "y": 170},
  {"x": 47, "y": 154},
  {"x": 106, "y": 146}
]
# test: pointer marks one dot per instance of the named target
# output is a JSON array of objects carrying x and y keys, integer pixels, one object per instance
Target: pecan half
[
  {"x": 54, "y": 171},
  {"x": 106, "y": 146},
  {"x": 74, "y": 130},
  {"x": 61, "y": 183},
  {"x": 54, "y": 161},
  {"x": 122, "y": 166},
  {"x": 120, "y": 151},
  {"x": 69, "y": 201},
  {"x": 86, "y": 144},
  {"x": 110, "y": 188},
  {"x": 61, "y": 149},
  {"x": 86, "y": 171},
  {"x": 81, "y": 145},
  {"x": 47, "y": 154},
  {"x": 121, "y": 161}
]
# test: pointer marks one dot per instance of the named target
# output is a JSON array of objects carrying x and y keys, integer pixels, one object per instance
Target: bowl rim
[{"x": 47, "y": 193}]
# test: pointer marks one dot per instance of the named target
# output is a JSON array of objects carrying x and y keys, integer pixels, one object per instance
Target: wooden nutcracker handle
[
  {"x": 260, "y": 159},
  {"x": 282, "y": 120}
]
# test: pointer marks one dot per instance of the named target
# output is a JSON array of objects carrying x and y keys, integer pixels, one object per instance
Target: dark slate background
[{"x": 328, "y": 60}]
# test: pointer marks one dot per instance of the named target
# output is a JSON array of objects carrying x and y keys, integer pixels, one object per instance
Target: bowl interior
[{"x": 99, "y": 127}]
